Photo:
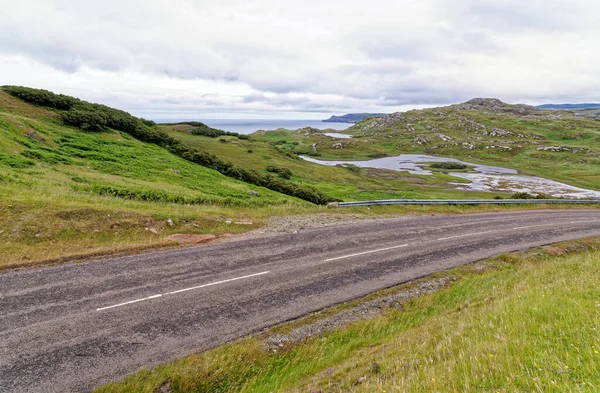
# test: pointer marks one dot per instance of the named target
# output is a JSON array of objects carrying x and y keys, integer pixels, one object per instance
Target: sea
[{"x": 248, "y": 126}]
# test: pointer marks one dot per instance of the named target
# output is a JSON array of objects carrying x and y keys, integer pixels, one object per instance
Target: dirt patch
[
  {"x": 366, "y": 310},
  {"x": 556, "y": 251},
  {"x": 165, "y": 387},
  {"x": 183, "y": 127},
  {"x": 18, "y": 107},
  {"x": 190, "y": 239}
]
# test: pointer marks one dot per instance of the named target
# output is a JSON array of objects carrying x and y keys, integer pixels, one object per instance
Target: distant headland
[{"x": 351, "y": 117}]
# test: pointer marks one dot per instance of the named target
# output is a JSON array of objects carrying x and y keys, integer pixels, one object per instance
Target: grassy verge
[
  {"x": 518, "y": 322},
  {"x": 42, "y": 225}
]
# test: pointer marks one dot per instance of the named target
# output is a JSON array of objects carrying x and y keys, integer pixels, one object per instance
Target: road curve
[{"x": 72, "y": 327}]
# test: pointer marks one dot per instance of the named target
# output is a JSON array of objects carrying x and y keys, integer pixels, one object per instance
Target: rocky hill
[{"x": 496, "y": 106}]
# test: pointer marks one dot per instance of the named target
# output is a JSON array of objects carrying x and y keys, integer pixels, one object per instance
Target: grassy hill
[{"x": 65, "y": 192}]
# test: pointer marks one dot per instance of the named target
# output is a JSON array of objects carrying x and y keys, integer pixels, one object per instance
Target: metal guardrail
[{"x": 469, "y": 202}]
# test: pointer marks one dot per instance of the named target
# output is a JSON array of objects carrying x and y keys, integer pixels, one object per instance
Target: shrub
[
  {"x": 86, "y": 120},
  {"x": 283, "y": 173},
  {"x": 41, "y": 97},
  {"x": 448, "y": 165},
  {"x": 351, "y": 167},
  {"x": 525, "y": 195},
  {"x": 204, "y": 130},
  {"x": 15, "y": 161}
]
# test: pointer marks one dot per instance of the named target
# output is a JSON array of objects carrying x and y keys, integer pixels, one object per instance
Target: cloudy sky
[{"x": 301, "y": 59}]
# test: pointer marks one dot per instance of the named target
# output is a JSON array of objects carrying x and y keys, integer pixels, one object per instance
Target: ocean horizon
[{"x": 248, "y": 126}]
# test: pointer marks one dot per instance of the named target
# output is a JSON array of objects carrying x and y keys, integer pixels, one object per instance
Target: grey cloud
[
  {"x": 273, "y": 56},
  {"x": 533, "y": 14}
]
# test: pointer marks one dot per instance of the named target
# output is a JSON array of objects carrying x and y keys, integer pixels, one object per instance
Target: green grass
[{"x": 519, "y": 322}]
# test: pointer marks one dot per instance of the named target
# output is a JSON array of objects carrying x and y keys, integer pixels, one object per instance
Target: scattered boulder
[
  {"x": 314, "y": 147},
  {"x": 170, "y": 223},
  {"x": 498, "y": 132},
  {"x": 443, "y": 137},
  {"x": 507, "y": 148},
  {"x": 34, "y": 135},
  {"x": 420, "y": 140},
  {"x": 253, "y": 193},
  {"x": 560, "y": 149}
]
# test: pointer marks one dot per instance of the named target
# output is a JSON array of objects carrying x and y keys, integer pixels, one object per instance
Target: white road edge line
[
  {"x": 182, "y": 290},
  {"x": 366, "y": 252},
  {"x": 556, "y": 224},
  {"x": 535, "y": 226},
  {"x": 468, "y": 234}
]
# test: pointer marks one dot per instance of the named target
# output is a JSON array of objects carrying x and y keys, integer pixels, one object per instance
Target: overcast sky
[{"x": 301, "y": 59}]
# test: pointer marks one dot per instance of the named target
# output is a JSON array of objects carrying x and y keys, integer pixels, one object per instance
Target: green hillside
[{"x": 65, "y": 191}]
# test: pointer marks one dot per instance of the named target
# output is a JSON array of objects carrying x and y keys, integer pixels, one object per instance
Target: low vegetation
[
  {"x": 96, "y": 117},
  {"x": 494, "y": 327},
  {"x": 448, "y": 165}
]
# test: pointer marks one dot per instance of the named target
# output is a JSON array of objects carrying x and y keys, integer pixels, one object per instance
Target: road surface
[{"x": 76, "y": 326}]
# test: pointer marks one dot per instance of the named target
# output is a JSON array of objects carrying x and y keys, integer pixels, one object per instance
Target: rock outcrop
[{"x": 496, "y": 106}]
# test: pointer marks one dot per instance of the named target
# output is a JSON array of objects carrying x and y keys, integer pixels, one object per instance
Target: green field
[{"x": 524, "y": 322}]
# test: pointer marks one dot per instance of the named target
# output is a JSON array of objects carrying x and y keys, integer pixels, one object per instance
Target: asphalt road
[{"x": 75, "y": 326}]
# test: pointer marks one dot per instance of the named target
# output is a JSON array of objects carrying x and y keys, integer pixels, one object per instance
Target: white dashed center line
[
  {"x": 366, "y": 252},
  {"x": 465, "y": 235},
  {"x": 182, "y": 290}
]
